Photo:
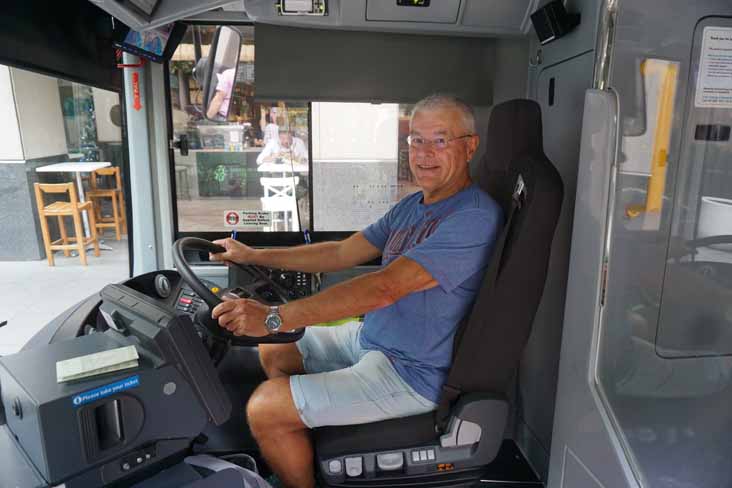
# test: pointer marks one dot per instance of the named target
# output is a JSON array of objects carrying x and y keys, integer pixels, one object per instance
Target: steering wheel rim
[
  {"x": 211, "y": 300},
  {"x": 185, "y": 271}
]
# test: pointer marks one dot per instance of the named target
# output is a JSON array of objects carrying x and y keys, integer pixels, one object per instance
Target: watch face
[{"x": 273, "y": 322}]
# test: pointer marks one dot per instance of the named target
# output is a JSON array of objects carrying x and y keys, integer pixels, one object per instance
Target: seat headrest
[{"x": 514, "y": 130}]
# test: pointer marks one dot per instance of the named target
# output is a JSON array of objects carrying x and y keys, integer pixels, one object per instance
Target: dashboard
[{"x": 168, "y": 289}]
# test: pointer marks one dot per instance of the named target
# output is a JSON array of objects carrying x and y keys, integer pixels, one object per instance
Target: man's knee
[
  {"x": 271, "y": 409},
  {"x": 280, "y": 359}
]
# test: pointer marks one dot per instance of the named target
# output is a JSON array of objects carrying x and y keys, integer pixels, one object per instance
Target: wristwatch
[{"x": 273, "y": 321}]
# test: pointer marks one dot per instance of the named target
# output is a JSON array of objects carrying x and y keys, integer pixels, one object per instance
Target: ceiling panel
[{"x": 505, "y": 14}]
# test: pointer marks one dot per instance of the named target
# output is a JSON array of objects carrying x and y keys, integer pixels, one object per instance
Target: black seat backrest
[{"x": 492, "y": 339}]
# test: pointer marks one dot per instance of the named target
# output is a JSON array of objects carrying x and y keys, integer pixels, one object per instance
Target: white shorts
[{"x": 346, "y": 384}]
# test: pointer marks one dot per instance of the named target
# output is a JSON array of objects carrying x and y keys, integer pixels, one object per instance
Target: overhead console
[
  {"x": 141, "y": 15},
  {"x": 456, "y": 17},
  {"x": 467, "y": 17}
]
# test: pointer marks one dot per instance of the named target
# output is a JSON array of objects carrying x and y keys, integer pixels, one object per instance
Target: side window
[{"x": 360, "y": 163}]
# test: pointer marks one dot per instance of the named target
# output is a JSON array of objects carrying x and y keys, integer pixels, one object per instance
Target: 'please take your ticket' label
[{"x": 105, "y": 391}]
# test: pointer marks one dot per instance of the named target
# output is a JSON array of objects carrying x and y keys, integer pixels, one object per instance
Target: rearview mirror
[{"x": 220, "y": 75}]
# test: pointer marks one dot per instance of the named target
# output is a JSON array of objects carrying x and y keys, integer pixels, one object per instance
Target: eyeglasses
[{"x": 440, "y": 143}]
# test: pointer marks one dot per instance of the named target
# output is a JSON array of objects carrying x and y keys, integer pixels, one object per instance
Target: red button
[{"x": 186, "y": 300}]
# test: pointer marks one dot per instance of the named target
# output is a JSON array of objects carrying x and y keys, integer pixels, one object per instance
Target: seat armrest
[{"x": 477, "y": 419}]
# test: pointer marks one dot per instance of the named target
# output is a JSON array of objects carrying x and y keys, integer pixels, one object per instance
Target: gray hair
[{"x": 443, "y": 100}]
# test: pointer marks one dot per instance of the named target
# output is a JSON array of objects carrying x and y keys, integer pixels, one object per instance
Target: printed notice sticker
[
  {"x": 251, "y": 219},
  {"x": 105, "y": 391},
  {"x": 714, "y": 82}
]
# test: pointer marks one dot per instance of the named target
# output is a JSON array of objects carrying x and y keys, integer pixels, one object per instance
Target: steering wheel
[{"x": 252, "y": 290}]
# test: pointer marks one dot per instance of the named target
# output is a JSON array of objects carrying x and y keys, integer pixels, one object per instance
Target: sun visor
[
  {"x": 328, "y": 65},
  {"x": 70, "y": 40}
]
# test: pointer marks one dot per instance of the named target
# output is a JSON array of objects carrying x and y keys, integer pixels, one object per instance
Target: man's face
[
  {"x": 285, "y": 140},
  {"x": 440, "y": 172}
]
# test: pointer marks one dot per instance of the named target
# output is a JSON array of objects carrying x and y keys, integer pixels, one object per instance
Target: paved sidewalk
[{"x": 33, "y": 293}]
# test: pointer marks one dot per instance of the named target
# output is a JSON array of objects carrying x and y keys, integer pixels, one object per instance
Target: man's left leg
[
  {"x": 272, "y": 413},
  {"x": 281, "y": 410},
  {"x": 282, "y": 437}
]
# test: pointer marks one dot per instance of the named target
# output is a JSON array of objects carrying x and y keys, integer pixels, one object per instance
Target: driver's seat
[{"x": 453, "y": 446}]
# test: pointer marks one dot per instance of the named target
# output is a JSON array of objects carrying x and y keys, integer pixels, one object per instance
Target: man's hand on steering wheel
[
  {"x": 251, "y": 330},
  {"x": 236, "y": 252},
  {"x": 242, "y": 316}
]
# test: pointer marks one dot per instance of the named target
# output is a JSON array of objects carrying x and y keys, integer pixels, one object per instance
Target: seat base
[{"x": 509, "y": 469}]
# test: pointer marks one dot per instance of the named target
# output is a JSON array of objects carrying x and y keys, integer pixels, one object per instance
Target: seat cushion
[{"x": 391, "y": 434}]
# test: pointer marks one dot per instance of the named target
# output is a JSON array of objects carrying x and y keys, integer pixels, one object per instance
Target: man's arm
[
  {"x": 310, "y": 258},
  {"x": 359, "y": 295},
  {"x": 348, "y": 299},
  {"x": 299, "y": 151},
  {"x": 215, "y": 104},
  {"x": 266, "y": 155}
]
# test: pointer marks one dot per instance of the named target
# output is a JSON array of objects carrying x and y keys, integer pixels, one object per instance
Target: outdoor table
[{"x": 283, "y": 168}]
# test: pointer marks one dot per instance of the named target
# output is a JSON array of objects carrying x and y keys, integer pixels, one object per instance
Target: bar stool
[
  {"x": 113, "y": 191},
  {"x": 71, "y": 208}
]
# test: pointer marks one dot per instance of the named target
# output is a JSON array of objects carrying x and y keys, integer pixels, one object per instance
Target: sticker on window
[
  {"x": 247, "y": 219},
  {"x": 714, "y": 82}
]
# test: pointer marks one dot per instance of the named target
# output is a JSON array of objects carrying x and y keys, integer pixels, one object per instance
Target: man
[
  {"x": 435, "y": 245},
  {"x": 284, "y": 147}
]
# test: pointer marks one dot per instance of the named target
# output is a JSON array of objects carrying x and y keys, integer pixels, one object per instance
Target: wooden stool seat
[
  {"x": 118, "y": 219},
  {"x": 65, "y": 208},
  {"x": 71, "y": 208}
]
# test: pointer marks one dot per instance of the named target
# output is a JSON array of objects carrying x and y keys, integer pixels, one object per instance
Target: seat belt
[{"x": 451, "y": 393}]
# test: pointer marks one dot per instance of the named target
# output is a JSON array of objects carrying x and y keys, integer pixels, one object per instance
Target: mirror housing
[{"x": 219, "y": 73}]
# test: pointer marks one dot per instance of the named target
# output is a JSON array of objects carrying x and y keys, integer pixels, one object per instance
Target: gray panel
[
  {"x": 19, "y": 239},
  {"x": 161, "y": 171},
  {"x": 562, "y": 124},
  {"x": 510, "y": 69},
  {"x": 576, "y": 474},
  {"x": 16, "y": 468},
  {"x": 497, "y": 13},
  {"x": 580, "y": 422},
  {"x": 363, "y": 67},
  {"x": 580, "y": 40},
  {"x": 443, "y": 11},
  {"x": 164, "y": 12},
  {"x": 141, "y": 193},
  {"x": 350, "y": 15}
]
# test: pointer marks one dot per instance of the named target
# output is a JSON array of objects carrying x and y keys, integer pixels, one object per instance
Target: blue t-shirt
[{"x": 452, "y": 239}]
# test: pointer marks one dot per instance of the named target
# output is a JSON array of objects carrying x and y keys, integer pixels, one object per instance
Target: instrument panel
[
  {"x": 167, "y": 287},
  {"x": 296, "y": 283}
]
